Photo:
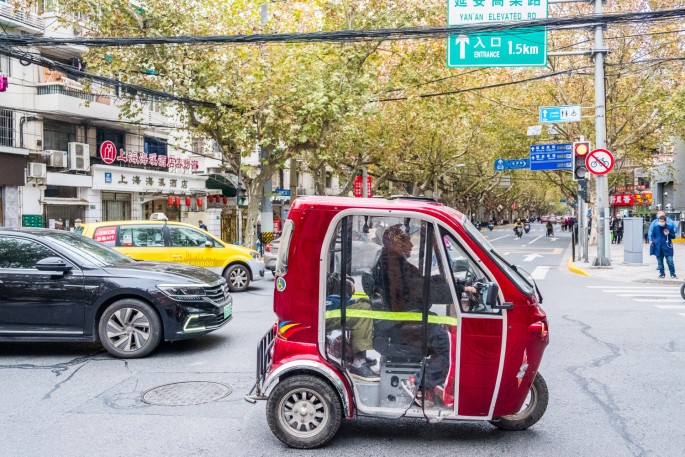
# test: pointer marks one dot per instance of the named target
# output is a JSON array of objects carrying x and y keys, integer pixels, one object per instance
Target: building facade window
[
  {"x": 116, "y": 206},
  {"x": 104, "y": 134},
  {"x": 7, "y": 128},
  {"x": 5, "y": 65},
  {"x": 155, "y": 146},
  {"x": 61, "y": 192},
  {"x": 58, "y": 135}
]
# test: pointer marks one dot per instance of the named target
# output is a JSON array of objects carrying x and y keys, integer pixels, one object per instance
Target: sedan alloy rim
[
  {"x": 238, "y": 277},
  {"x": 128, "y": 329},
  {"x": 303, "y": 413}
]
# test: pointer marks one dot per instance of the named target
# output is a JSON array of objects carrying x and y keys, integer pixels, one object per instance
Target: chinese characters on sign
[
  {"x": 551, "y": 157},
  {"x": 109, "y": 155},
  {"x": 644, "y": 198},
  {"x": 513, "y": 48}
]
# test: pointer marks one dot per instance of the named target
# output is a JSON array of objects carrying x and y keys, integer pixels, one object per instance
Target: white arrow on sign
[
  {"x": 531, "y": 257},
  {"x": 462, "y": 41}
]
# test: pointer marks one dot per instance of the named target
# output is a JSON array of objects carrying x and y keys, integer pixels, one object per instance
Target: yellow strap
[{"x": 392, "y": 316}]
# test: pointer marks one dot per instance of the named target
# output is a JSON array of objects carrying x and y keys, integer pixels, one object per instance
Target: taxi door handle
[{"x": 176, "y": 256}]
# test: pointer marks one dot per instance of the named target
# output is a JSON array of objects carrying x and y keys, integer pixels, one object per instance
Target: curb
[
  {"x": 679, "y": 240},
  {"x": 575, "y": 269}
]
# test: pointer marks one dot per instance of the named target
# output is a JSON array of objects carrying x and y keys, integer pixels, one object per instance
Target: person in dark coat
[{"x": 662, "y": 245}]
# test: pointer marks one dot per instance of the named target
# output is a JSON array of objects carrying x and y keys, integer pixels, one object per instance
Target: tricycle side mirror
[{"x": 53, "y": 264}]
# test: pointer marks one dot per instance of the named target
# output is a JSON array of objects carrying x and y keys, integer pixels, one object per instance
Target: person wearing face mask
[
  {"x": 662, "y": 235},
  {"x": 672, "y": 227}
]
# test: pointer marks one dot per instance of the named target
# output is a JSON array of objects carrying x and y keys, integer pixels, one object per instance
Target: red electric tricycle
[{"x": 395, "y": 308}]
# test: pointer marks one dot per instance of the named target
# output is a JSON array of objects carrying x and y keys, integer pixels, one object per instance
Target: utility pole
[
  {"x": 267, "y": 214},
  {"x": 602, "y": 222}
]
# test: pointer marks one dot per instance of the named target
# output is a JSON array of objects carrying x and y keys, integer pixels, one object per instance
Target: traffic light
[
  {"x": 583, "y": 191},
  {"x": 580, "y": 151}
]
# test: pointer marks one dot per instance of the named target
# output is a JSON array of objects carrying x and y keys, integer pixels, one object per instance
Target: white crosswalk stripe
[{"x": 657, "y": 296}]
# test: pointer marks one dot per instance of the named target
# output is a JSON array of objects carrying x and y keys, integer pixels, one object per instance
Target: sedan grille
[{"x": 218, "y": 294}]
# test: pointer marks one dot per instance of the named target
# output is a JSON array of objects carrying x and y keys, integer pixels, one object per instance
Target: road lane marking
[
  {"x": 660, "y": 300},
  {"x": 670, "y": 306},
  {"x": 638, "y": 294},
  {"x": 635, "y": 287},
  {"x": 535, "y": 239},
  {"x": 540, "y": 272},
  {"x": 495, "y": 239}
]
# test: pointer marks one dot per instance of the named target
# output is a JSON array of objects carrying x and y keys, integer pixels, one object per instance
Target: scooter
[
  {"x": 518, "y": 231},
  {"x": 490, "y": 227},
  {"x": 526, "y": 227}
]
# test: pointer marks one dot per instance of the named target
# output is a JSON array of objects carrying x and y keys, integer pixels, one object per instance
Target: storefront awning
[{"x": 222, "y": 183}]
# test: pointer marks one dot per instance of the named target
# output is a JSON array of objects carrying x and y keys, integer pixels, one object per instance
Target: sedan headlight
[{"x": 187, "y": 292}]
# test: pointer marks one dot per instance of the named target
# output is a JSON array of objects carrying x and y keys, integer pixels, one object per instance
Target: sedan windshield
[{"x": 87, "y": 251}]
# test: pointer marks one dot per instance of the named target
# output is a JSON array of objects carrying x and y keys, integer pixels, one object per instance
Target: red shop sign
[{"x": 622, "y": 200}]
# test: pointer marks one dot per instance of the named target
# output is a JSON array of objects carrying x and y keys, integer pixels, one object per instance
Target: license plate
[{"x": 228, "y": 310}]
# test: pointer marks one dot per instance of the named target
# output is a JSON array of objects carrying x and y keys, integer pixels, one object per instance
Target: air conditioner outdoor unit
[
  {"x": 57, "y": 158},
  {"x": 36, "y": 170},
  {"x": 79, "y": 156}
]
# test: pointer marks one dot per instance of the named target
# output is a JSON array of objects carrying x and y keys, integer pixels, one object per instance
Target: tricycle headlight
[{"x": 183, "y": 291}]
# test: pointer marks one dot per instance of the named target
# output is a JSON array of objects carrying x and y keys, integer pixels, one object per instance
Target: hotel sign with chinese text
[
  {"x": 510, "y": 48},
  {"x": 108, "y": 154}
]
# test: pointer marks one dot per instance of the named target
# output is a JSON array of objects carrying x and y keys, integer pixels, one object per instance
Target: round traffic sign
[{"x": 599, "y": 161}]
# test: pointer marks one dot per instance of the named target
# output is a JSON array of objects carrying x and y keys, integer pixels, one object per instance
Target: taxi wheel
[
  {"x": 531, "y": 411},
  {"x": 304, "y": 412},
  {"x": 238, "y": 277},
  {"x": 129, "y": 329}
]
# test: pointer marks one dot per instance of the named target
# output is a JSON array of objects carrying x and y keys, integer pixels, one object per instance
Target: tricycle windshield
[{"x": 521, "y": 282}]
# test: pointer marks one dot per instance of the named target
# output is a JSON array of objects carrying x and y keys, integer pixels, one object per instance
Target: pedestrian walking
[
  {"x": 669, "y": 222},
  {"x": 202, "y": 226},
  {"x": 662, "y": 246},
  {"x": 645, "y": 229},
  {"x": 618, "y": 229},
  {"x": 612, "y": 225}
]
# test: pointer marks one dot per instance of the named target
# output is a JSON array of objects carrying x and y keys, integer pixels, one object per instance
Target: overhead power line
[
  {"x": 26, "y": 57},
  {"x": 361, "y": 35}
]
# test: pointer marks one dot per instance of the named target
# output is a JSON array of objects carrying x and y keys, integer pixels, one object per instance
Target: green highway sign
[{"x": 510, "y": 48}]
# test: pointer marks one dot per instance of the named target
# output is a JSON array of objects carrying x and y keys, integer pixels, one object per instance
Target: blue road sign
[
  {"x": 562, "y": 200},
  {"x": 558, "y": 114},
  {"x": 551, "y": 157},
  {"x": 514, "y": 164}
]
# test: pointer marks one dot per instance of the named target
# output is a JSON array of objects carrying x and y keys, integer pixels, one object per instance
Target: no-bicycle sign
[{"x": 599, "y": 162}]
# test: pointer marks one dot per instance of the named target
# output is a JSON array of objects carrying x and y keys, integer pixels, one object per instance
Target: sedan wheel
[
  {"x": 129, "y": 329},
  {"x": 238, "y": 278}
]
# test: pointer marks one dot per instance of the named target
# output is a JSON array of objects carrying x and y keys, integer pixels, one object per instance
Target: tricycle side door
[{"x": 481, "y": 333}]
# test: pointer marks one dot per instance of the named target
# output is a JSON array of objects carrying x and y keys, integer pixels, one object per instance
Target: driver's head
[{"x": 397, "y": 241}]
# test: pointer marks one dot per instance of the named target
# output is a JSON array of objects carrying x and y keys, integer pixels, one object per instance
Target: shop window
[
  {"x": 116, "y": 206},
  {"x": 61, "y": 192},
  {"x": 155, "y": 146},
  {"x": 6, "y": 127},
  {"x": 58, "y": 135}
]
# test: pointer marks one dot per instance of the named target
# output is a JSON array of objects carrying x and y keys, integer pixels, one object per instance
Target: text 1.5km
[{"x": 520, "y": 48}]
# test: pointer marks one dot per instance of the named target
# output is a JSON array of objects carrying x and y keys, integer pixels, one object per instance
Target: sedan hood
[{"x": 170, "y": 272}]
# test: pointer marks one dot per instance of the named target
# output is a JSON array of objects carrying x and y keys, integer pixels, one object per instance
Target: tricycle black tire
[
  {"x": 310, "y": 394},
  {"x": 529, "y": 414},
  {"x": 682, "y": 291}
]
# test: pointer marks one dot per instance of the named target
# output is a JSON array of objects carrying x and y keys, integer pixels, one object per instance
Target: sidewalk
[{"x": 630, "y": 272}]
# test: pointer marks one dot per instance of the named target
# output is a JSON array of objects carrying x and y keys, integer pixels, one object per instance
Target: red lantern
[
  {"x": 199, "y": 202},
  {"x": 170, "y": 201},
  {"x": 178, "y": 201},
  {"x": 188, "y": 202},
  {"x": 210, "y": 198},
  {"x": 225, "y": 200}
]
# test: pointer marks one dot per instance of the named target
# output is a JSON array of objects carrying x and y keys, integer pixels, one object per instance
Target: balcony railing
[
  {"x": 62, "y": 90},
  {"x": 7, "y": 11}
]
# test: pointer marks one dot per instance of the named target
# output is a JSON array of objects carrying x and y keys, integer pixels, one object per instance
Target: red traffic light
[{"x": 581, "y": 148}]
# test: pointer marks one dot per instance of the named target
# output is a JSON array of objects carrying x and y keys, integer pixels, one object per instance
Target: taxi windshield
[{"x": 511, "y": 271}]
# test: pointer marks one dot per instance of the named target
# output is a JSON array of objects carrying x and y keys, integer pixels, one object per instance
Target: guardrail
[{"x": 30, "y": 19}]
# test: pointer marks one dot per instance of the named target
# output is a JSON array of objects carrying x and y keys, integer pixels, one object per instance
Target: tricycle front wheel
[
  {"x": 304, "y": 412},
  {"x": 682, "y": 291},
  {"x": 531, "y": 411}
]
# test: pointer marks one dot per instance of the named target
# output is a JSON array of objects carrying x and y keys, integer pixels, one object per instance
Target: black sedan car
[{"x": 58, "y": 286}]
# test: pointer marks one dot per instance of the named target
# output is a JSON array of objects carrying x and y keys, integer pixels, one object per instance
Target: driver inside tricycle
[{"x": 417, "y": 317}]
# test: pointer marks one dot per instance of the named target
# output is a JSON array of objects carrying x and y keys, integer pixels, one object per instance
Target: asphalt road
[{"x": 613, "y": 367}]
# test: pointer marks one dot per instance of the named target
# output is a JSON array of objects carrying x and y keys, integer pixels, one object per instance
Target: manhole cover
[{"x": 186, "y": 393}]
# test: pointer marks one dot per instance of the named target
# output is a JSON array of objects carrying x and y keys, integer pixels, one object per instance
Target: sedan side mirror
[
  {"x": 209, "y": 244},
  {"x": 53, "y": 264}
]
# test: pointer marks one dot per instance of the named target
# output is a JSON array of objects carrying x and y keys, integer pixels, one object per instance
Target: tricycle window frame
[{"x": 282, "y": 258}]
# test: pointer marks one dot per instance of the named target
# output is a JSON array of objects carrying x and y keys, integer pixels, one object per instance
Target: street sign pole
[{"x": 603, "y": 254}]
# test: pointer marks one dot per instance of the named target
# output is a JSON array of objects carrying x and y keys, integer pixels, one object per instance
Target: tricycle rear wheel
[
  {"x": 682, "y": 291},
  {"x": 304, "y": 412},
  {"x": 532, "y": 410}
]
